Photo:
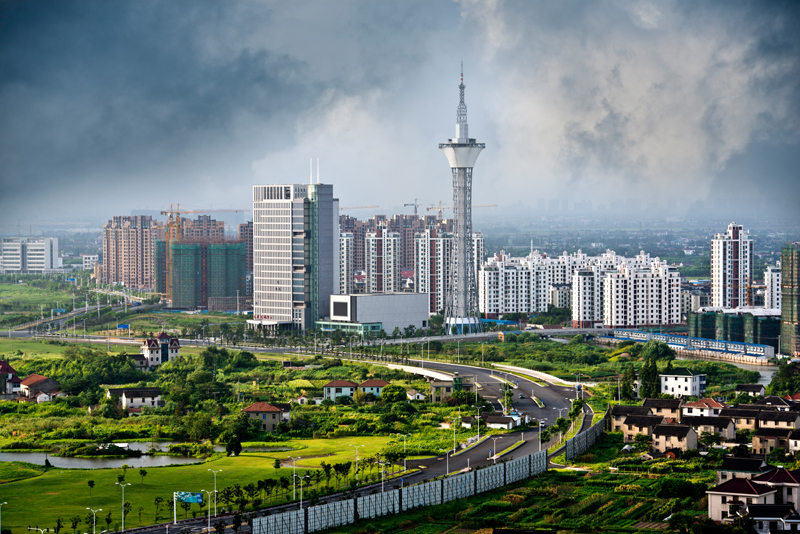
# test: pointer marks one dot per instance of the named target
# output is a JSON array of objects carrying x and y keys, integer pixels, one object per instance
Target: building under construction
[
  {"x": 759, "y": 326},
  {"x": 190, "y": 272},
  {"x": 790, "y": 299}
]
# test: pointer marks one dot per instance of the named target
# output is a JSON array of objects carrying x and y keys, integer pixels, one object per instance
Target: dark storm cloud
[{"x": 110, "y": 105}]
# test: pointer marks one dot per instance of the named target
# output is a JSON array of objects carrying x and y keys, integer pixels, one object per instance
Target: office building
[
  {"x": 731, "y": 267},
  {"x": 433, "y": 251},
  {"x": 29, "y": 254},
  {"x": 790, "y": 300},
  {"x": 246, "y": 237},
  {"x": 370, "y": 313},
  {"x": 383, "y": 261},
  {"x": 772, "y": 286},
  {"x": 295, "y": 254},
  {"x": 129, "y": 250}
]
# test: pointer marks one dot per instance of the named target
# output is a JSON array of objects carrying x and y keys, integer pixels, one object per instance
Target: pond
[{"x": 100, "y": 463}]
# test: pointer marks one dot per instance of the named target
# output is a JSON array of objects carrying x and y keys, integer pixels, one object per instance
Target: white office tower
[
  {"x": 635, "y": 297},
  {"x": 731, "y": 267},
  {"x": 29, "y": 254},
  {"x": 295, "y": 254},
  {"x": 346, "y": 273},
  {"x": 461, "y": 305},
  {"x": 383, "y": 261},
  {"x": 433, "y": 252},
  {"x": 772, "y": 281}
]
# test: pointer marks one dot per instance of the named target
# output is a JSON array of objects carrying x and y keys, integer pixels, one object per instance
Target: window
[{"x": 724, "y": 499}]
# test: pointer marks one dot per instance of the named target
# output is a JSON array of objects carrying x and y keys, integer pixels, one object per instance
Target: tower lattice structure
[{"x": 461, "y": 308}]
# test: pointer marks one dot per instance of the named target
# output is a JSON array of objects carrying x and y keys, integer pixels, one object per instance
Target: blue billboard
[
  {"x": 187, "y": 496},
  {"x": 70, "y": 279},
  {"x": 123, "y": 327}
]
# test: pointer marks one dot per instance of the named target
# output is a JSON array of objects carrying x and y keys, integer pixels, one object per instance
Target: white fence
[{"x": 334, "y": 514}]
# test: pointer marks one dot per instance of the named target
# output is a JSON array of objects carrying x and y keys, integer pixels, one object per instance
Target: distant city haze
[{"x": 640, "y": 109}]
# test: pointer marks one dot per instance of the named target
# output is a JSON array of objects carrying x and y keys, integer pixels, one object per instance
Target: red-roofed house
[
  {"x": 373, "y": 385},
  {"x": 793, "y": 397},
  {"x": 34, "y": 384},
  {"x": 732, "y": 495},
  {"x": 9, "y": 382},
  {"x": 703, "y": 407},
  {"x": 339, "y": 388},
  {"x": 268, "y": 415}
]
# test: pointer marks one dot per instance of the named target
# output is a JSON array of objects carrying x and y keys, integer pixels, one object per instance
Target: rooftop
[
  {"x": 741, "y": 486},
  {"x": 261, "y": 407},
  {"x": 678, "y": 431}
]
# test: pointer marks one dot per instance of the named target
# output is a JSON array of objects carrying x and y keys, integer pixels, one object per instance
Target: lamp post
[
  {"x": 294, "y": 475},
  {"x": 358, "y": 478},
  {"x": 478, "y": 421},
  {"x": 121, "y": 485},
  {"x": 404, "y": 450},
  {"x": 94, "y": 518},
  {"x": 560, "y": 434},
  {"x": 1, "y": 515},
  {"x": 215, "y": 488},
  {"x": 458, "y": 351},
  {"x": 302, "y": 478},
  {"x": 494, "y": 439},
  {"x": 209, "y": 508}
]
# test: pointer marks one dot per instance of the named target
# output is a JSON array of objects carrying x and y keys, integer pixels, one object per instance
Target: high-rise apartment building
[
  {"x": 295, "y": 254},
  {"x": 638, "y": 297},
  {"x": 383, "y": 261},
  {"x": 433, "y": 251},
  {"x": 246, "y": 237},
  {"x": 346, "y": 260},
  {"x": 790, "y": 300},
  {"x": 203, "y": 228},
  {"x": 772, "y": 286},
  {"x": 29, "y": 254},
  {"x": 731, "y": 267},
  {"x": 129, "y": 250}
]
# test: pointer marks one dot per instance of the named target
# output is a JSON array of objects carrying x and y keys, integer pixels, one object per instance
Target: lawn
[
  {"x": 65, "y": 493},
  {"x": 19, "y": 297}
]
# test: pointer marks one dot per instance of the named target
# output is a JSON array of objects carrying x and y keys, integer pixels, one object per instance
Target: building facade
[
  {"x": 29, "y": 254},
  {"x": 129, "y": 250},
  {"x": 635, "y": 297},
  {"x": 383, "y": 261},
  {"x": 772, "y": 286},
  {"x": 89, "y": 261},
  {"x": 295, "y": 254},
  {"x": 346, "y": 264},
  {"x": 433, "y": 253},
  {"x": 790, "y": 300},
  {"x": 731, "y": 267}
]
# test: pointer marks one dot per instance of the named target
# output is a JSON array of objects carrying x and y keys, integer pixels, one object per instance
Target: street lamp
[
  {"x": 215, "y": 488},
  {"x": 121, "y": 485},
  {"x": 358, "y": 478},
  {"x": 494, "y": 439},
  {"x": 404, "y": 450},
  {"x": 94, "y": 518},
  {"x": 560, "y": 434},
  {"x": 479, "y": 418},
  {"x": 1, "y": 515},
  {"x": 209, "y": 507},
  {"x": 302, "y": 478},
  {"x": 294, "y": 474}
]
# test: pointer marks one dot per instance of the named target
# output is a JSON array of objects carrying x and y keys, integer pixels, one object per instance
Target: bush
[{"x": 678, "y": 487}]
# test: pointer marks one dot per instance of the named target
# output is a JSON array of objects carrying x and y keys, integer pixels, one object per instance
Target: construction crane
[
  {"x": 415, "y": 204},
  {"x": 174, "y": 234},
  {"x": 440, "y": 208},
  {"x": 358, "y": 208}
]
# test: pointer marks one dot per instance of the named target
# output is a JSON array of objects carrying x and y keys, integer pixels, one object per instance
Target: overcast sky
[{"x": 108, "y": 106}]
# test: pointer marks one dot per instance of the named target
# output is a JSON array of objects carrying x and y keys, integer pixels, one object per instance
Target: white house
[
  {"x": 682, "y": 382},
  {"x": 339, "y": 388},
  {"x": 373, "y": 385},
  {"x": 498, "y": 421},
  {"x": 754, "y": 390},
  {"x": 726, "y": 498},
  {"x": 703, "y": 408},
  {"x": 413, "y": 394},
  {"x": 136, "y": 397}
]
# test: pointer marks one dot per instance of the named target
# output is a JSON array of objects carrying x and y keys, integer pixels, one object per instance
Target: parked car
[{"x": 521, "y": 396}]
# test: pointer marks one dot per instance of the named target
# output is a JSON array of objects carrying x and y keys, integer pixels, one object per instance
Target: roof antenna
[
  {"x": 310, "y": 171},
  {"x": 317, "y": 171}
]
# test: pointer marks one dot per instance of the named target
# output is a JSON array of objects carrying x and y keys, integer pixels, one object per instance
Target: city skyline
[{"x": 609, "y": 108}]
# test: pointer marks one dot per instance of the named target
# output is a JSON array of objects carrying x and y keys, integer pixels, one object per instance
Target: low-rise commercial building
[{"x": 375, "y": 312}]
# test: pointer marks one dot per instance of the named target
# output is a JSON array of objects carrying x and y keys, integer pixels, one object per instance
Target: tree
[
  {"x": 90, "y": 483},
  {"x": 59, "y": 524},
  {"x": 158, "y": 502},
  {"x": 142, "y": 473},
  {"x": 628, "y": 378},
  {"x": 75, "y": 521},
  {"x": 359, "y": 397},
  {"x": 236, "y": 522},
  {"x": 642, "y": 442},
  {"x": 649, "y": 379},
  {"x": 186, "y": 506},
  {"x": 277, "y": 465},
  {"x": 108, "y": 521},
  {"x": 327, "y": 470},
  {"x": 220, "y": 526},
  {"x": 393, "y": 393},
  {"x": 126, "y": 508},
  {"x": 707, "y": 439}
]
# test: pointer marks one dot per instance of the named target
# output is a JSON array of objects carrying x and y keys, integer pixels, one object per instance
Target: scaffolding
[{"x": 790, "y": 299}]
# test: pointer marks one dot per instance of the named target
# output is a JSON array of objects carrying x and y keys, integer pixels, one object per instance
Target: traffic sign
[
  {"x": 123, "y": 327},
  {"x": 70, "y": 279}
]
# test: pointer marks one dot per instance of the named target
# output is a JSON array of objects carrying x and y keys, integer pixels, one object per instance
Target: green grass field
[
  {"x": 18, "y": 297},
  {"x": 65, "y": 493}
]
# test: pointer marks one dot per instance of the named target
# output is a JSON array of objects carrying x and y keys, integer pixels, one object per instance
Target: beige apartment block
[{"x": 129, "y": 250}]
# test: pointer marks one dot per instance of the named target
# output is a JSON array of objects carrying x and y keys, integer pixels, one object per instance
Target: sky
[{"x": 666, "y": 107}]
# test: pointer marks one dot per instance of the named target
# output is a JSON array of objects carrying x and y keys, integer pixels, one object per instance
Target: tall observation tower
[{"x": 461, "y": 304}]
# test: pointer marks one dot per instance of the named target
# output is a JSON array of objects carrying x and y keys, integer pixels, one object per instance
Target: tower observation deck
[{"x": 461, "y": 313}]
